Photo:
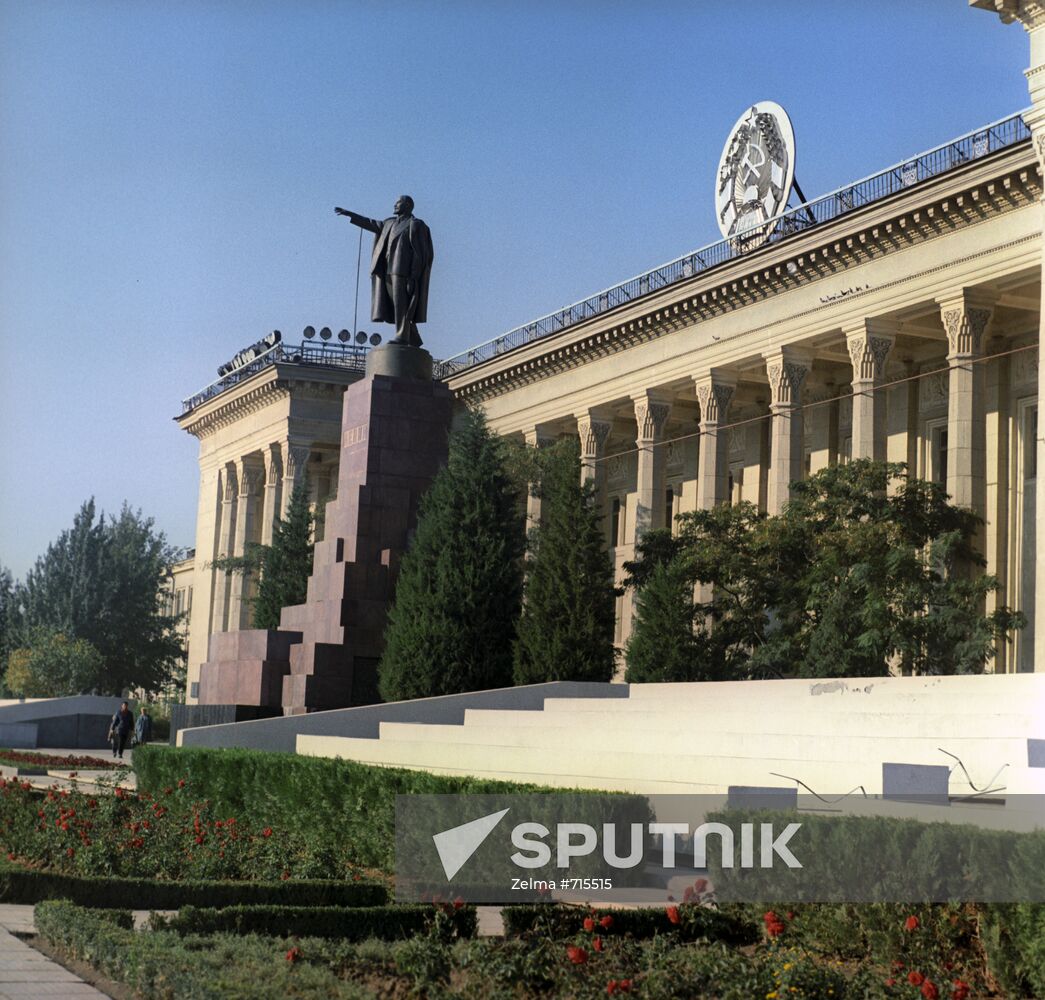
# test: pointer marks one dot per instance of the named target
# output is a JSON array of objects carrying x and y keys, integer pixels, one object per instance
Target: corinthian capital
[
  {"x": 1029, "y": 13},
  {"x": 965, "y": 316},
  {"x": 715, "y": 393},
  {"x": 594, "y": 431},
  {"x": 651, "y": 414},
  {"x": 869, "y": 343},
  {"x": 787, "y": 371}
]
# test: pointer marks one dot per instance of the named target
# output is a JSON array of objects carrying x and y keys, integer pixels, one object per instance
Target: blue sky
[{"x": 168, "y": 173}]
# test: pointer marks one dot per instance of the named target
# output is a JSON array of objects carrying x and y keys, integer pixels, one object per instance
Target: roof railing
[
  {"x": 322, "y": 354},
  {"x": 905, "y": 174}
]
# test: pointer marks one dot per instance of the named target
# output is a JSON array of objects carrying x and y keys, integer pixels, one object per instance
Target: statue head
[{"x": 404, "y": 205}]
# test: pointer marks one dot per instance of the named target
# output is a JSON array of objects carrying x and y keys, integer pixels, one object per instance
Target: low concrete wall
[
  {"x": 80, "y": 722},
  {"x": 365, "y": 721}
]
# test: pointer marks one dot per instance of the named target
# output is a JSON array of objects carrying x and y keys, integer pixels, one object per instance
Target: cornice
[{"x": 983, "y": 189}]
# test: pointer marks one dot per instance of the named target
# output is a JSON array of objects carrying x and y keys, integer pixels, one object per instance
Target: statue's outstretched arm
[{"x": 374, "y": 225}]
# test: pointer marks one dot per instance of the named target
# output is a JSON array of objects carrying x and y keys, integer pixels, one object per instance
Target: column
[
  {"x": 250, "y": 478},
  {"x": 714, "y": 393},
  {"x": 787, "y": 370},
  {"x": 273, "y": 482},
  {"x": 226, "y": 531},
  {"x": 295, "y": 458},
  {"x": 1031, "y": 15},
  {"x": 593, "y": 428},
  {"x": 537, "y": 437},
  {"x": 965, "y": 317},
  {"x": 651, "y": 415},
  {"x": 869, "y": 343},
  {"x": 824, "y": 433}
]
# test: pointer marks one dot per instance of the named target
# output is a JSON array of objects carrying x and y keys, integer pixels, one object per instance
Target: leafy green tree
[
  {"x": 54, "y": 665},
  {"x": 863, "y": 569},
  {"x": 283, "y": 567},
  {"x": 103, "y": 581},
  {"x": 459, "y": 589},
  {"x": 566, "y": 628}
]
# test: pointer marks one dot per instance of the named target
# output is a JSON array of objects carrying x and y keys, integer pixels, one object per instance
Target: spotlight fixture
[
  {"x": 325, "y": 333},
  {"x": 310, "y": 332},
  {"x": 344, "y": 336},
  {"x": 361, "y": 337},
  {"x": 375, "y": 339}
]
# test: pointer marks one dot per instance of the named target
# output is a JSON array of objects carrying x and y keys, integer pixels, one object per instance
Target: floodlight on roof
[
  {"x": 344, "y": 336},
  {"x": 375, "y": 339},
  {"x": 310, "y": 332},
  {"x": 325, "y": 333},
  {"x": 361, "y": 337}
]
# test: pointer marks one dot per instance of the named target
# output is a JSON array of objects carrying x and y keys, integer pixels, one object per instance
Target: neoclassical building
[{"x": 898, "y": 318}]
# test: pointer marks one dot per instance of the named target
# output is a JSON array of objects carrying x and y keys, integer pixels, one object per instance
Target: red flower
[
  {"x": 606, "y": 922},
  {"x": 910, "y": 924},
  {"x": 611, "y": 987},
  {"x": 285, "y": 876},
  {"x": 625, "y": 985},
  {"x": 589, "y": 924},
  {"x": 915, "y": 978},
  {"x": 295, "y": 954},
  {"x": 576, "y": 955},
  {"x": 10, "y": 855},
  {"x": 929, "y": 990},
  {"x": 597, "y": 944},
  {"x": 267, "y": 832},
  {"x": 70, "y": 852},
  {"x": 458, "y": 902},
  {"x": 181, "y": 782},
  {"x": 199, "y": 840},
  {"x": 673, "y": 914},
  {"x": 774, "y": 925},
  {"x": 890, "y": 981},
  {"x": 959, "y": 990}
]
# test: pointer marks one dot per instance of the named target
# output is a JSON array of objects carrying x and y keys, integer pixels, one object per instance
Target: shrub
[
  {"x": 27, "y": 886},
  {"x": 349, "y": 923},
  {"x": 693, "y": 922}
]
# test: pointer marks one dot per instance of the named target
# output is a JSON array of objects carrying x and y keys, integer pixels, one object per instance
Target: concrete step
[
  {"x": 983, "y": 724},
  {"x": 981, "y": 756},
  {"x": 596, "y": 767}
]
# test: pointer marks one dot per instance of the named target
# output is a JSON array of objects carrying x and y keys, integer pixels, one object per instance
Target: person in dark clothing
[
  {"x": 143, "y": 728},
  {"x": 120, "y": 729}
]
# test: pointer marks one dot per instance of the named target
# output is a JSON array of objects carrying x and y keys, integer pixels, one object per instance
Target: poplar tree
[
  {"x": 566, "y": 628},
  {"x": 459, "y": 589}
]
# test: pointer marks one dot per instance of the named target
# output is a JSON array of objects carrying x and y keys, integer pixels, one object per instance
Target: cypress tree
[
  {"x": 286, "y": 563},
  {"x": 663, "y": 646},
  {"x": 566, "y": 628},
  {"x": 459, "y": 589}
]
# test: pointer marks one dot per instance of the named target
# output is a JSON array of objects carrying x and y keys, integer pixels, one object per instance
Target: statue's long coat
[{"x": 419, "y": 246}]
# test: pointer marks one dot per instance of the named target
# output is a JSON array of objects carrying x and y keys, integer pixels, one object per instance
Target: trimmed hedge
[
  {"x": 27, "y": 886},
  {"x": 694, "y": 922},
  {"x": 347, "y": 923},
  {"x": 351, "y": 805},
  {"x": 164, "y": 966},
  {"x": 884, "y": 859}
]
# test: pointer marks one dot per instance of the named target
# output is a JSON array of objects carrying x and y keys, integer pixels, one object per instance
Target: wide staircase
[{"x": 827, "y": 737}]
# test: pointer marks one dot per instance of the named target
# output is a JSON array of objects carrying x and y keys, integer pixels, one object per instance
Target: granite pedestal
[{"x": 324, "y": 655}]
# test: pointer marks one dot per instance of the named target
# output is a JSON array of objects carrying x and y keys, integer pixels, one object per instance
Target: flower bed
[
  {"x": 582, "y": 959},
  {"x": 53, "y": 762},
  {"x": 170, "y": 836}
]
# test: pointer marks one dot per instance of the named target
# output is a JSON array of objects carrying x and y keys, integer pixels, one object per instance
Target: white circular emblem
[{"x": 755, "y": 173}]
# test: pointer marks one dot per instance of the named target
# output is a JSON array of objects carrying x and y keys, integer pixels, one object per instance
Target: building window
[
  {"x": 669, "y": 509},
  {"x": 1030, "y": 459},
  {"x": 615, "y": 522},
  {"x": 939, "y": 455}
]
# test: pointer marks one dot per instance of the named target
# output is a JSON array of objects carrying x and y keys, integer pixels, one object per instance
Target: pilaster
[
  {"x": 869, "y": 343},
  {"x": 539, "y": 436},
  {"x": 651, "y": 415},
  {"x": 787, "y": 370},
  {"x": 715, "y": 392}
]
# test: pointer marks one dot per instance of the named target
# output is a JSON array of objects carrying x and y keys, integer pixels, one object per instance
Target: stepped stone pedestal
[{"x": 324, "y": 655}]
